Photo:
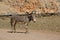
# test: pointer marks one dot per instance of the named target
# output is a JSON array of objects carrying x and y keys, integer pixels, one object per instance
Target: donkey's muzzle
[{"x": 34, "y": 20}]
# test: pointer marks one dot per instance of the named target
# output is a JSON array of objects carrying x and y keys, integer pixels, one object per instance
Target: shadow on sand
[{"x": 16, "y": 32}]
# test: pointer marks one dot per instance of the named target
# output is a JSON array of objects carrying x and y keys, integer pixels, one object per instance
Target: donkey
[{"x": 25, "y": 19}]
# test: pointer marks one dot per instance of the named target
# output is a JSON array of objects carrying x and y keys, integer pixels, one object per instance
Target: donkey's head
[{"x": 32, "y": 16}]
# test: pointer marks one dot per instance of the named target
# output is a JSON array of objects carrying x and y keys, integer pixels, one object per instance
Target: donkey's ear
[
  {"x": 27, "y": 13},
  {"x": 33, "y": 12}
]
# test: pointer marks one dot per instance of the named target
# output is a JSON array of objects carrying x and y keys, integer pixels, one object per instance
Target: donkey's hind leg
[{"x": 13, "y": 24}]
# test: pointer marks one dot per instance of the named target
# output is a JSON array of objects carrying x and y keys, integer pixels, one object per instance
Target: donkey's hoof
[
  {"x": 26, "y": 32},
  {"x": 14, "y": 32},
  {"x": 10, "y": 31}
]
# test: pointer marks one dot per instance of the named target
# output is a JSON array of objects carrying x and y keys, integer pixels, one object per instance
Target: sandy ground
[{"x": 32, "y": 35}]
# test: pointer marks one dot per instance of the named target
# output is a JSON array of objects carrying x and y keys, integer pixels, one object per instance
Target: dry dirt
[{"x": 32, "y": 35}]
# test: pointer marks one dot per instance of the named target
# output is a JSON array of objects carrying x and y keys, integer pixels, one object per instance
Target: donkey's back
[{"x": 20, "y": 18}]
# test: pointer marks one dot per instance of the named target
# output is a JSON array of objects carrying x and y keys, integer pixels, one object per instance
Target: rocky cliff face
[{"x": 41, "y": 6}]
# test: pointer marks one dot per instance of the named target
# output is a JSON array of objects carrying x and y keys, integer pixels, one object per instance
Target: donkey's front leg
[
  {"x": 14, "y": 27},
  {"x": 26, "y": 28}
]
